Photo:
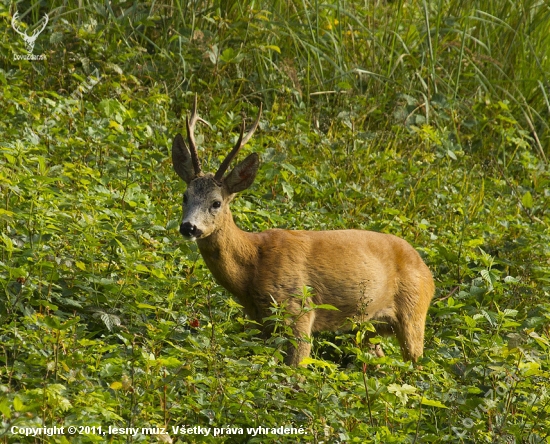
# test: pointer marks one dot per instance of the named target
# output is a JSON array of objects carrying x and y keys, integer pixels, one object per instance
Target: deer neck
[{"x": 229, "y": 253}]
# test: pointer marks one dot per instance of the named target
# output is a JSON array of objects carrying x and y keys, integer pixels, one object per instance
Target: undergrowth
[{"x": 428, "y": 120}]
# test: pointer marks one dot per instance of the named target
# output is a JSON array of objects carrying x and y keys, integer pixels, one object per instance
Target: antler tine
[
  {"x": 253, "y": 129},
  {"x": 240, "y": 143},
  {"x": 229, "y": 158},
  {"x": 191, "y": 136}
]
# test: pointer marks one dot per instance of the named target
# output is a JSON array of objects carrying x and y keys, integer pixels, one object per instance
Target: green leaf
[
  {"x": 142, "y": 305},
  {"x": 48, "y": 304},
  {"x": 52, "y": 322},
  {"x": 158, "y": 273},
  {"x": 317, "y": 363},
  {"x": 274, "y": 48},
  {"x": 451, "y": 154},
  {"x": 18, "y": 404},
  {"x": 433, "y": 403},
  {"x": 117, "y": 126},
  {"x": 5, "y": 408},
  {"x": 8, "y": 243},
  {"x": 489, "y": 277},
  {"x": 227, "y": 55},
  {"x": 402, "y": 391},
  {"x": 527, "y": 200},
  {"x": 288, "y": 190},
  {"x": 169, "y": 362},
  {"x": 111, "y": 107},
  {"x": 469, "y": 321},
  {"x": 530, "y": 368},
  {"x": 327, "y": 307},
  {"x": 141, "y": 267},
  {"x": 542, "y": 341}
]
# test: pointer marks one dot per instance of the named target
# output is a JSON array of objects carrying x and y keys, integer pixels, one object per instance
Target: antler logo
[{"x": 29, "y": 39}]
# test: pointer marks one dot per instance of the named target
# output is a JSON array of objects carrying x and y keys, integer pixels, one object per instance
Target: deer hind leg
[
  {"x": 376, "y": 350},
  {"x": 410, "y": 333},
  {"x": 413, "y": 302},
  {"x": 302, "y": 327},
  {"x": 411, "y": 340},
  {"x": 407, "y": 325}
]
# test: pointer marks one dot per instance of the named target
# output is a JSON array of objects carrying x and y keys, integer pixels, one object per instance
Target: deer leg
[
  {"x": 410, "y": 325},
  {"x": 301, "y": 330},
  {"x": 376, "y": 350},
  {"x": 411, "y": 340}
]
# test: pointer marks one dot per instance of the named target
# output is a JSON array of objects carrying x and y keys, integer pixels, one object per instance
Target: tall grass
[{"x": 322, "y": 53}]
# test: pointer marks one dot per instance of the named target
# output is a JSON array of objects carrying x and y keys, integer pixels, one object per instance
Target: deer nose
[{"x": 187, "y": 229}]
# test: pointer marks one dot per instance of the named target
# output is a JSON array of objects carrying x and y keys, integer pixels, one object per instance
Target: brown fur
[
  {"x": 366, "y": 275},
  {"x": 356, "y": 271}
]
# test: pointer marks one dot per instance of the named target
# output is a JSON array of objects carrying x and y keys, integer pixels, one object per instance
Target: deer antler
[
  {"x": 240, "y": 143},
  {"x": 191, "y": 121}
]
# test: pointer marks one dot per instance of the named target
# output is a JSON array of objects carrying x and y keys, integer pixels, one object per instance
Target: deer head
[
  {"x": 206, "y": 200},
  {"x": 29, "y": 39}
]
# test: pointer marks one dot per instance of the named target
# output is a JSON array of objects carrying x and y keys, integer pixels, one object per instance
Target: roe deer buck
[{"x": 366, "y": 275}]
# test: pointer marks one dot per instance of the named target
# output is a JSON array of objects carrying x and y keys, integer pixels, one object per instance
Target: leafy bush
[{"x": 428, "y": 120}]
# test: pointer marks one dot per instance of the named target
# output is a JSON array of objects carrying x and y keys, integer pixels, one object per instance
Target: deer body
[{"x": 364, "y": 274}]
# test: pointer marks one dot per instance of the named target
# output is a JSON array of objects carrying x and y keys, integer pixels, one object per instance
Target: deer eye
[{"x": 216, "y": 204}]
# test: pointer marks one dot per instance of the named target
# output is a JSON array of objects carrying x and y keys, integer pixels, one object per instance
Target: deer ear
[
  {"x": 242, "y": 176},
  {"x": 181, "y": 159}
]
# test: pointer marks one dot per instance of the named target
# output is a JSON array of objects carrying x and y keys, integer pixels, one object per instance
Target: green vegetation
[{"x": 429, "y": 120}]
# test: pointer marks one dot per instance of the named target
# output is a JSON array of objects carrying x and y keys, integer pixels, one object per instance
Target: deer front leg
[
  {"x": 376, "y": 350},
  {"x": 301, "y": 330}
]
